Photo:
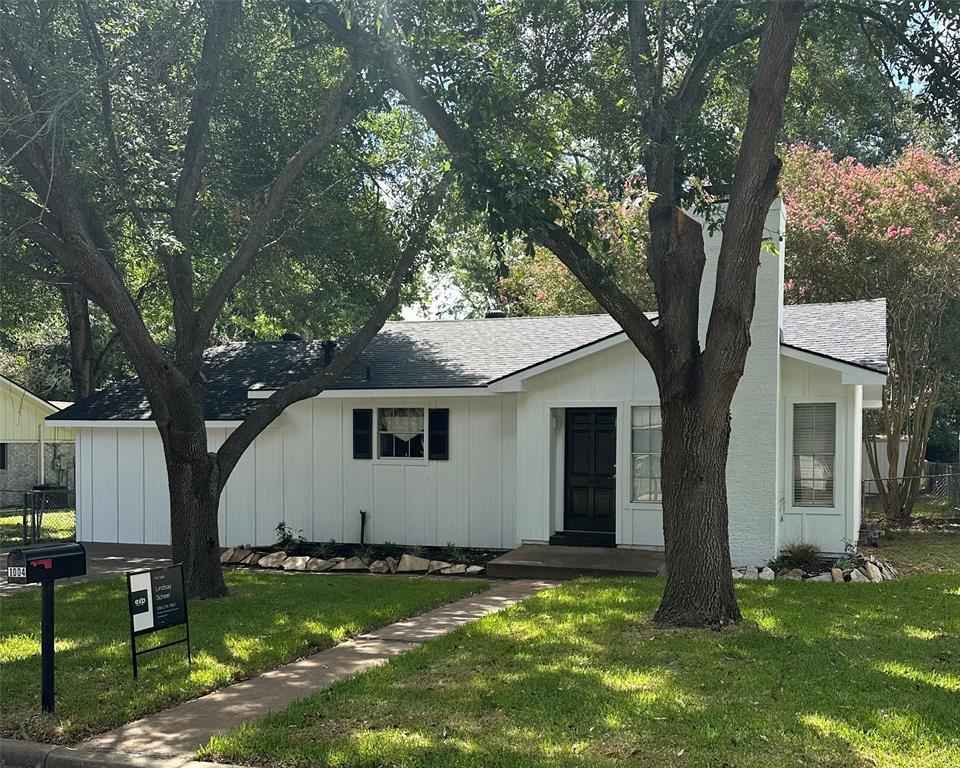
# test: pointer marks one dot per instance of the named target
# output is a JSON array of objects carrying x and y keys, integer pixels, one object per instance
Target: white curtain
[{"x": 403, "y": 423}]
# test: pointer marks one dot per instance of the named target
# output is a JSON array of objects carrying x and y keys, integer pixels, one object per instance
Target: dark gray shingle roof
[
  {"x": 848, "y": 331},
  {"x": 464, "y": 353}
]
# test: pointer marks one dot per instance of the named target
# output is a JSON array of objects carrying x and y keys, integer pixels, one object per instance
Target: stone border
[
  {"x": 856, "y": 568},
  {"x": 407, "y": 565}
]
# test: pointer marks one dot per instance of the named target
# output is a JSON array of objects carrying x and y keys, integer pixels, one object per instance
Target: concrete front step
[{"x": 541, "y": 561}]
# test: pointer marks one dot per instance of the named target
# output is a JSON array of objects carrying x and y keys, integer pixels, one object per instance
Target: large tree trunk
[
  {"x": 699, "y": 589},
  {"x": 193, "y": 479},
  {"x": 77, "y": 313}
]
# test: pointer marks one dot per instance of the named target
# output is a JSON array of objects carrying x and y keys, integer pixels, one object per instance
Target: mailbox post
[{"x": 43, "y": 565}]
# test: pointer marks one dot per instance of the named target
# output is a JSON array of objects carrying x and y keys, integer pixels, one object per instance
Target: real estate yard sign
[{"x": 156, "y": 600}]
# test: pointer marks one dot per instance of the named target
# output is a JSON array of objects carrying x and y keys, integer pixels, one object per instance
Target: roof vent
[
  {"x": 291, "y": 336},
  {"x": 495, "y": 314}
]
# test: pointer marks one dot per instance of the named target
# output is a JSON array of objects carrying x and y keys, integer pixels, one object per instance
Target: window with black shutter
[
  {"x": 439, "y": 428},
  {"x": 3, "y": 455},
  {"x": 363, "y": 433}
]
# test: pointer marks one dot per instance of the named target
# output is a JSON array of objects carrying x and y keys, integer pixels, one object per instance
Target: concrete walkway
[
  {"x": 104, "y": 561},
  {"x": 178, "y": 732}
]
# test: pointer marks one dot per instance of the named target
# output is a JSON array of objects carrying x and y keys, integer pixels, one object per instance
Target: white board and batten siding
[
  {"x": 829, "y": 527},
  {"x": 301, "y": 470}
]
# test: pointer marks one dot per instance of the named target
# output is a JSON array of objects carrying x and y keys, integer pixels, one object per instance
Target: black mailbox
[
  {"x": 43, "y": 565},
  {"x": 47, "y": 562}
]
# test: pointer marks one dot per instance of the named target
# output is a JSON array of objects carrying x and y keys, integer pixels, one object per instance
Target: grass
[
  {"x": 922, "y": 551},
  {"x": 57, "y": 525},
  {"x": 818, "y": 675},
  {"x": 269, "y": 619}
]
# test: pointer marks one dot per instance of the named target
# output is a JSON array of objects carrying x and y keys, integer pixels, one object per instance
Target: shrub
[{"x": 800, "y": 554}]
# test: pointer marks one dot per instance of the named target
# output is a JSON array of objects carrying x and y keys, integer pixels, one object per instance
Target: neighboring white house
[{"x": 495, "y": 432}]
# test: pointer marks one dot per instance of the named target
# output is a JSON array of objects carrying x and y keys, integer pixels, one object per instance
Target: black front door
[{"x": 590, "y": 470}]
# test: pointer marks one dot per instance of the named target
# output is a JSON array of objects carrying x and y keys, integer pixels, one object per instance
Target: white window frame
[
  {"x": 401, "y": 460},
  {"x": 631, "y": 454},
  {"x": 838, "y": 463}
]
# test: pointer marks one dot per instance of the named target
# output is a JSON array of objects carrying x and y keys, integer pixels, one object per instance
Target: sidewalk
[{"x": 172, "y": 736}]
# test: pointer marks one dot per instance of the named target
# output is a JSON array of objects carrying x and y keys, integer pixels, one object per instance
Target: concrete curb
[{"x": 31, "y": 754}]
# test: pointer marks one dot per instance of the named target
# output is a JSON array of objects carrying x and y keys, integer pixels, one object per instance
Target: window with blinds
[{"x": 814, "y": 453}]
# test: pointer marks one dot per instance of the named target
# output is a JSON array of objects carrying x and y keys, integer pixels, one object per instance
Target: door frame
[
  {"x": 594, "y": 410},
  {"x": 552, "y": 482}
]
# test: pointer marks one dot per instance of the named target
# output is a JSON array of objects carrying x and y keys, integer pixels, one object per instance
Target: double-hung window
[
  {"x": 814, "y": 454},
  {"x": 400, "y": 433},
  {"x": 646, "y": 437}
]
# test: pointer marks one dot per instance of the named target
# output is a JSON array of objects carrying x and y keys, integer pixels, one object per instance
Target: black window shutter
[
  {"x": 363, "y": 433},
  {"x": 3, "y": 455},
  {"x": 439, "y": 425}
]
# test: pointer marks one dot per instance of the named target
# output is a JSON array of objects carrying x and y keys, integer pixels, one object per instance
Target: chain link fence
[
  {"x": 46, "y": 513},
  {"x": 938, "y": 496}
]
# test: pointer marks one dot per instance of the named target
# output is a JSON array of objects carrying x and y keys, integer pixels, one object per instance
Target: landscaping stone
[
  {"x": 319, "y": 564},
  {"x": 298, "y": 563},
  {"x": 873, "y": 572},
  {"x": 226, "y": 555},
  {"x": 792, "y": 574},
  {"x": 238, "y": 556},
  {"x": 437, "y": 565},
  {"x": 857, "y": 575},
  {"x": 350, "y": 564},
  {"x": 413, "y": 564},
  {"x": 767, "y": 574},
  {"x": 821, "y": 577},
  {"x": 736, "y": 573},
  {"x": 750, "y": 573},
  {"x": 273, "y": 560},
  {"x": 392, "y": 564},
  {"x": 253, "y": 558},
  {"x": 837, "y": 575},
  {"x": 454, "y": 570},
  {"x": 474, "y": 570},
  {"x": 379, "y": 566}
]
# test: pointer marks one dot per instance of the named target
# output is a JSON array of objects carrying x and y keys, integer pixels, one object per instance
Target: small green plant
[
  {"x": 800, "y": 554},
  {"x": 389, "y": 549},
  {"x": 367, "y": 553},
  {"x": 416, "y": 550},
  {"x": 452, "y": 553},
  {"x": 849, "y": 557},
  {"x": 325, "y": 549},
  {"x": 287, "y": 536}
]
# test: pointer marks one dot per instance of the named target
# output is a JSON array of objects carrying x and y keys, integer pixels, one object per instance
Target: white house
[{"x": 501, "y": 431}]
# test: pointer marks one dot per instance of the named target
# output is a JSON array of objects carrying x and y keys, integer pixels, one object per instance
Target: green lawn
[
  {"x": 820, "y": 675},
  {"x": 57, "y": 525},
  {"x": 269, "y": 618},
  {"x": 927, "y": 551}
]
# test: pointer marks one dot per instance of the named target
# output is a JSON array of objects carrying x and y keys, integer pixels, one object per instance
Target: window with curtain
[
  {"x": 646, "y": 436},
  {"x": 400, "y": 433},
  {"x": 814, "y": 453}
]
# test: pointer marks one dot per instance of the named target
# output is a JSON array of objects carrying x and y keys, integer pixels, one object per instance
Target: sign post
[{"x": 156, "y": 601}]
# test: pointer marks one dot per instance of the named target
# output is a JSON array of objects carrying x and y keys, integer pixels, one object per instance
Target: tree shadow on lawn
[
  {"x": 262, "y": 624},
  {"x": 819, "y": 675}
]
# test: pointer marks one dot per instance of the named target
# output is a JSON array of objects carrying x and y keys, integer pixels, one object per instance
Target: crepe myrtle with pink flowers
[{"x": 859, "y": 232}]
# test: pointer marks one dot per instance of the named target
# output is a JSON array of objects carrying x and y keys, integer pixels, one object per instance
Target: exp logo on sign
[{"x": 139, "y": 602}]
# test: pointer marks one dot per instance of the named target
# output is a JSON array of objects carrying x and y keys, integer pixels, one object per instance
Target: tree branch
[
  {"x": 469, "y": 159},
  {"x": 106, "y": 115},
  {"x": 754, "y": 189},
  {"x": 335, "y": 116},
  {"x": 241, "y": 438}
]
